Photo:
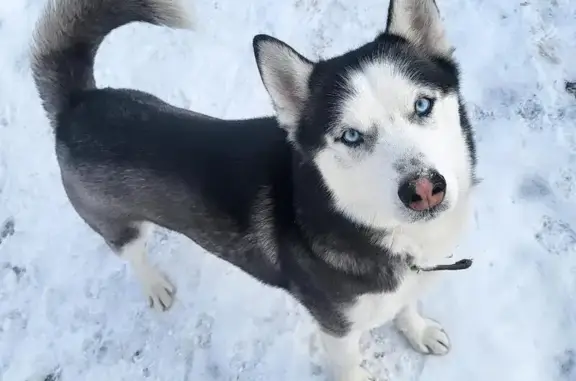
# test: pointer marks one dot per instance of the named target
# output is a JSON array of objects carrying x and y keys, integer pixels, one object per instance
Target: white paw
[
  {"x": 159, "y": 290},
  {"x": 429, "y": 338}
]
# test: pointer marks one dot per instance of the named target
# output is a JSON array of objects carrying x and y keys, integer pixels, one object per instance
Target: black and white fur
[{"x": 288, "y": 199}]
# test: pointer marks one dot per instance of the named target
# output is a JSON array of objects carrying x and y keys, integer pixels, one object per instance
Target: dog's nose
[{"x": 421, "y": 193}]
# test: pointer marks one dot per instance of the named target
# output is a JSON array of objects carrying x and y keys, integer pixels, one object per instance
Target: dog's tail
[{"x": 69, "y": 33}]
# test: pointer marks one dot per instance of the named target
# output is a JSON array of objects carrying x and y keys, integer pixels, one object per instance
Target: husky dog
[{"x": 359, "y": 184}]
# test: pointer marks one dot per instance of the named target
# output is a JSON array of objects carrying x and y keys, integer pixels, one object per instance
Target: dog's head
[{"x": 383, "y": 123}]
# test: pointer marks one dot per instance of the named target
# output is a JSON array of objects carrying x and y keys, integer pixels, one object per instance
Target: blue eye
[
  {"x": 423, "y": 106},
  {"x": 352, "y": 137}
]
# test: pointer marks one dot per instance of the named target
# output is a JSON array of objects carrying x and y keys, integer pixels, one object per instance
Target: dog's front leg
[
  {"x": 425, "y": 335},
  {"x": 343, "y": 353}
]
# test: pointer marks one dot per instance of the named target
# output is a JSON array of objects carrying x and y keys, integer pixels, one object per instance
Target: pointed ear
[
  {"x": 285, "y": 74},
  {"x": 419, "y": 22}
]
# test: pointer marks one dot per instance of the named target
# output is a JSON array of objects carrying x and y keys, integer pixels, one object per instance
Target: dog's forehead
[{"x": 379, "y": 91}]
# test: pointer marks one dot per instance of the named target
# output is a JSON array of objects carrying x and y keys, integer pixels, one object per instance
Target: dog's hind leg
[
  {"x": 126, "y": 234},
  {"x": 130, "y": 244},
  {"x": 128, "y": 240}
]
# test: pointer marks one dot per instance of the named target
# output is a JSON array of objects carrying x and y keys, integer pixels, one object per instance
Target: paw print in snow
[{"x": 557, "y": 236}]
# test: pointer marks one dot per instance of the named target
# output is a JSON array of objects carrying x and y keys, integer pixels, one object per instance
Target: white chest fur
[
  {"x": 373, "y": 310},
  {"x": 430, "y": 244}
]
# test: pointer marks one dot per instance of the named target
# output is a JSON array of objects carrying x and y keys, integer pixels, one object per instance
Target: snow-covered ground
[{"x": 70, "y": 310}]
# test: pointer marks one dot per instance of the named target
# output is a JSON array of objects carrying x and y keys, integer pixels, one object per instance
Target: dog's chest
[
  {"x": 429, "y": 246},
  {"x": 372, "y": 310}
]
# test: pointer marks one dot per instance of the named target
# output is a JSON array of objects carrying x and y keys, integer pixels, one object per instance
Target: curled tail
[{"x": 69, "y": 33}]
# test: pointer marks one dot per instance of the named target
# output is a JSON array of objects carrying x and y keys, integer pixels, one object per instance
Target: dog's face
[{"x": 383, "y": 123}]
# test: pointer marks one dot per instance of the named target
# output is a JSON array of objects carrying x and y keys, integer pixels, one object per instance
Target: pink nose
[{"x": 427, "y": 196}]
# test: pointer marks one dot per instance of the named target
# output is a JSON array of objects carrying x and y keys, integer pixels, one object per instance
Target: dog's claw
[
  {"x": 425, "y": 335},
  {"x": 433, "y": 340},
  {"x": 159, "y": 290}
]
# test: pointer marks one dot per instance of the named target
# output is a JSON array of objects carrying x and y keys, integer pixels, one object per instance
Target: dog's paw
[
  {"x": 429, "y": 338},
  {"x": 159, "y": 289}
]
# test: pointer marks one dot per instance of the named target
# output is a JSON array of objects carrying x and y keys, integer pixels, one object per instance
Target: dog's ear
[
  {"x": 419, "y": 22},
  {"x": 285, "y": 74}
]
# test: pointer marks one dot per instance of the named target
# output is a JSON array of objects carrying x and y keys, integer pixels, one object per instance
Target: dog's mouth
[{"x": 428, "y": 214}]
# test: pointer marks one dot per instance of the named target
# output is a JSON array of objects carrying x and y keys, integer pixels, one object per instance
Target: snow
[{"x": 70, "y": 310}]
